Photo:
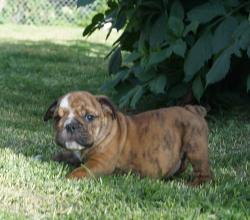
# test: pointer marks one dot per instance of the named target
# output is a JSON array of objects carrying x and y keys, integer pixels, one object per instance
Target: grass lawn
[{"x": 39, "y": 64}]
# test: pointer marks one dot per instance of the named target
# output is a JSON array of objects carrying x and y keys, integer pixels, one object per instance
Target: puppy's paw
[
  {"x": 77, "y": 174},
  {"x": 198, "y": 181},
  {"x": 67, "y": 157},
  {"x": 71, "y": 176},
  {"x": 58, "y": 157}
]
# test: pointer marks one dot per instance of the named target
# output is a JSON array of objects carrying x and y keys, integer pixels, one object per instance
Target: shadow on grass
[
  {"x": 210, "y": 200},
  {"x": 32, "y": 75}
]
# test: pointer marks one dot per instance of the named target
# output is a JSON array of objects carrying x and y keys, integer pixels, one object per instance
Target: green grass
[{"x": 33, "y": 72}]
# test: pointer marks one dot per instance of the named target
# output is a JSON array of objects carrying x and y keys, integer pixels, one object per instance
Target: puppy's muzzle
[
  {"x": 74, "y": 135},
  {"x": 71, "y": 127}
]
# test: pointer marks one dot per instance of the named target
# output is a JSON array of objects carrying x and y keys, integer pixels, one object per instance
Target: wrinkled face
[{"x": 79, "y": 118}]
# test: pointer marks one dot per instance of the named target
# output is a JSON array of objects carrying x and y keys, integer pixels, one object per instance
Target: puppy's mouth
[
  {"x": 74, "y": 135},
  {"x": 73, "y": 145}
]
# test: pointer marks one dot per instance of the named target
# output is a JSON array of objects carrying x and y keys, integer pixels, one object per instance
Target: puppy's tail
[{"x": 196, "y": 109}]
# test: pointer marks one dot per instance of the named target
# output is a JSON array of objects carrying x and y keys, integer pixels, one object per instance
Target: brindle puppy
[{"x": 156, "y": 143}]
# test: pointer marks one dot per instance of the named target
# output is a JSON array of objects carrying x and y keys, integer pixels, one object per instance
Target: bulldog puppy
[{"x": 157, "y": 143}]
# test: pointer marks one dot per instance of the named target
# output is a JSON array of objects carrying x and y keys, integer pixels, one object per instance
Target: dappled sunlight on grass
[{"x": 63, "y": 35}]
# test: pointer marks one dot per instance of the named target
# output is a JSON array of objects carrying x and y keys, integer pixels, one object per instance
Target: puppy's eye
[{"x": 89, "y": 117}]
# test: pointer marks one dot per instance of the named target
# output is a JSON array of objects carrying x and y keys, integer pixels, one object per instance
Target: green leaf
[
  {"x": 88, "y": 30},
  {"x": 220, "y": 67},
  {"x": 223, "y": 34},
  {"x": 115, "y": 61},
  {"x": 176, "y": 26},
  {"x": 178, "y": 91},
  {"x": 200, "y": 53},
  {"x": 124, "y": 100},
  {"x": 137, "y": 69},
  {"x": 241, "y": 29},
  {"x": 244, "y": 40},
  {"x": 248, "y": 51},
  {"x": 206, "y": 12},
  {"x": 158, "y": 84},
  {"x": 91, "y": 27},
  {"x": 120, "y": 20},
  {"x": 179, "y": 47},
  {"x": 197, "y": 88},
  {"x": 97, "y": 18},
  {"x": 177, "y": 10},
  {"x": 123, "y": 88},
  {"x": 142, "y": 74},
  {"x": 151, "y": 4},
  {"x": 83, "y": 2},
  {"x": 123, "y": 74},
  {"x": 156, "y": 36},
  {"x": 248, "y": 83},
  {"x": 192, "y": 27},
  {"x": 237, "y": 52},
  {"x": 242, "y": 34},
  {"x": 159, "y": 56},
  {"x": 112, "y": 4},
  {"x": 138, "y": 94},
  {"x": 231, "y": 3},
  {"x": 131, "y": 57},
  {"x": 120, "y": 76}
]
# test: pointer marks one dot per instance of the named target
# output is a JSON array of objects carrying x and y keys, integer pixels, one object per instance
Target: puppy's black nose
[{"x": 70, "y": 127}]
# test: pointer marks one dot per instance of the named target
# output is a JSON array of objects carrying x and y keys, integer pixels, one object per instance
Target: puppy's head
[{"x": 80, "y": 119}]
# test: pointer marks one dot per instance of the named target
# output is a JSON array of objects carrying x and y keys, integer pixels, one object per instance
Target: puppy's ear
[
  {"x": 50, "y": 112},
  {"x": 107, "y": 106}
]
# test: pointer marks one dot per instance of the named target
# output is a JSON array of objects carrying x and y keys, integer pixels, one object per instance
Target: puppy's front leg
[
  {"x": 68, "y": 157},
  {"x": 92, "y": 168}
]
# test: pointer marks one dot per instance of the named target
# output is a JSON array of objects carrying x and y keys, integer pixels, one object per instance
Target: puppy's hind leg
[{"x": 197, "y": 155}]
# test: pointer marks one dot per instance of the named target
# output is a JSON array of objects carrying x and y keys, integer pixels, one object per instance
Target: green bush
[{"x": 170, "y": 49}]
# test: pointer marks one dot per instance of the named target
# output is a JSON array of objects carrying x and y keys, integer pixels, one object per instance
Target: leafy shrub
[{"x": 169, "y": 49}]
